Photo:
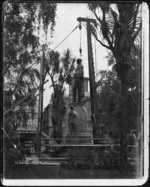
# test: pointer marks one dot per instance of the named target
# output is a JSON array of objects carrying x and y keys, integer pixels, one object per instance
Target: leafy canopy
[{"x": 21, "y": 23}]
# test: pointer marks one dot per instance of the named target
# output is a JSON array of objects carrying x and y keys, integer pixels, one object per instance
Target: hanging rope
[
  {"x": 80, "y": 49},
  {"x": 95, "y": 57}
]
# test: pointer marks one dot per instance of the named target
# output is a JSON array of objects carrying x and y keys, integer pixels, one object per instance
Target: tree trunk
[
  {"x": 122, "y": 121},
  {"x": 58, "y": 113}
]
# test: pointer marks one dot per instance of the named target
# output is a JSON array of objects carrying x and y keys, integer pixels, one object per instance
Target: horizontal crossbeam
[
  {"x": 86, "y": 20},
  {"x": 81, "y": 145}
]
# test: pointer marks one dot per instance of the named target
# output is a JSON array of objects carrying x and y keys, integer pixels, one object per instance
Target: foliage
[
  {"x": 108, "y": 98},
  {"x": 14, "y": 153},
  {"x": 92, "y": 158},
  {"x": 59, "y": 69},
  {"x": 119, "y": 25},
  {"x": 20, "y": 55}
]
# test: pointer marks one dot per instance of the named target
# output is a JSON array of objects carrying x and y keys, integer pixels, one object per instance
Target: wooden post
[
  {"x": 40, "y": 108},
  {"x": 93, "y": 95},
  {"x": 91, "y": 71},
  {"x": 91, "y": 66}
]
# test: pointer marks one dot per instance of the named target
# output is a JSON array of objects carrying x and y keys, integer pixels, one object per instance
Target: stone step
[
  {"x": 53, "y": 159},
  {"x": 77, "y": 139},
  {"x": 78, "y": 142}
]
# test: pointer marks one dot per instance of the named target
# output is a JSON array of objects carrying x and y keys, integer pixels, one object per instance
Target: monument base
[
  {"x": 78, "y": 139},
  {"x": 82, "y": 135}
]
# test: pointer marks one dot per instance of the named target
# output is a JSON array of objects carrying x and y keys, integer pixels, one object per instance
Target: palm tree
[
  {"x": 118, "y": 30},
  {"x": 59, "y": 70}
]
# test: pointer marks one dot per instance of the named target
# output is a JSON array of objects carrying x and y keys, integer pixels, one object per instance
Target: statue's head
[{"x": 79, "y": 60}]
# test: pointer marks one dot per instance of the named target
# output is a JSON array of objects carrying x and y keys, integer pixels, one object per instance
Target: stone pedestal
[{"x": 83, "y": 134}]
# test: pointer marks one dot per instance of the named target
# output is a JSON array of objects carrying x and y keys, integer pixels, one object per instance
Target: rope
[
  {"x": 58, "y": 44},
  {"x": 95, "y": 58},
  {"x": 80, "y": 49},
  {"x": 66, "y": 37}
]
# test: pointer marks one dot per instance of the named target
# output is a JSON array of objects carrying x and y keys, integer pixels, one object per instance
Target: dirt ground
[{"x": 31, "y": 171}]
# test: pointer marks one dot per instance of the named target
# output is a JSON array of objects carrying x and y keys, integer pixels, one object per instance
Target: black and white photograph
[{"x": 75, "y": 93}]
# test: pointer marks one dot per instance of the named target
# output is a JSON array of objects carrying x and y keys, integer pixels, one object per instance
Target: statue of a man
[
  {"x": 78, "y": 81},
  {"x": 72, "y": 120}
]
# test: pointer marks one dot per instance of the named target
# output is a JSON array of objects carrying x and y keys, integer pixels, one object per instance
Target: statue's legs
[
  {"x": 79, "y": 88},
  {"x": 74, "y": 91},
  {"x": 82, "y": 89}
]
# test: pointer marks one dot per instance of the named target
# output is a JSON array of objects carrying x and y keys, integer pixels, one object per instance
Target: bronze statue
[{"x": 78, "y": 81}]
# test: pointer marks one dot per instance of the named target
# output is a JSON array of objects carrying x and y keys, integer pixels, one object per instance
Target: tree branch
[
  {"x": 110, "y": 44},
  {"x": 135, "y": 15},
  {"x": 16, "y": 86},
  {"x": 98, "y": 18},
  {"x": 52, "y": 81},
  {"x": 101, "y": 41},
  {"x": 137, "y": 32},
  {"x": 108, "y": 40}
]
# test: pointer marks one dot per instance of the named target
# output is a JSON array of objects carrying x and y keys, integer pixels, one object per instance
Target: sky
[{"x": 66, "y": 21}]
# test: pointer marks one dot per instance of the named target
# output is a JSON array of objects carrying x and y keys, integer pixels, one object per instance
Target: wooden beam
[
  {"x": 86, "y": 19},
  {"x": 21, "y": 107}
]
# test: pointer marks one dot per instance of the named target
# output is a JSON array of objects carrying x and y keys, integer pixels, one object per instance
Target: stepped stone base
[
  {"x": 78, "y": 139},
  {"x": 83, "y": 131}
]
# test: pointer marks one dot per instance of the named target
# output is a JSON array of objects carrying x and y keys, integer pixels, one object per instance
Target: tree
[
  {"x": 134, "y": 91},
  {"x": 21, "y": 53},
  {"x": 59, "y": 70},
  {"x": 108, "y": 102},
  {"x": 119, "y": 28},
  {"x": 21, "y": 45}
]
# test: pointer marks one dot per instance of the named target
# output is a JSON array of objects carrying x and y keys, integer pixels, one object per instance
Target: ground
[{"x": 54, "y": 170}]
